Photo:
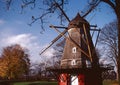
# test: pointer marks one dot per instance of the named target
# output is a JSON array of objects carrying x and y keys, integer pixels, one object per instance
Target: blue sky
[{"x": 14, "y": 26}]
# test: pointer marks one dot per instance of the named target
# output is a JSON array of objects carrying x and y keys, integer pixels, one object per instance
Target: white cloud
[
  {"x": 25, "y": 40},
  {"x": 49, "y": 53},
  {"x": 22, "y": 39}
]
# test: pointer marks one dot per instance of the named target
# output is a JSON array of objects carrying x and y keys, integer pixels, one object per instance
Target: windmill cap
[{"x": 78, "y": 21}]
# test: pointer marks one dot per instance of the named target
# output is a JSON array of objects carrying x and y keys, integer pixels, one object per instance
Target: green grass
[
  {"x": 21, "y": 83},
  {"x": 36, "y": 83}
]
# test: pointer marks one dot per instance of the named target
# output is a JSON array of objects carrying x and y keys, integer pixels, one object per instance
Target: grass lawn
[
  {"x": 106, "y": 82},
  {"x": 36, "y": 83}
]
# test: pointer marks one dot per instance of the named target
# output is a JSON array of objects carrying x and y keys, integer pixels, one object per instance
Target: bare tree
[{"x": 109, "y": 40}]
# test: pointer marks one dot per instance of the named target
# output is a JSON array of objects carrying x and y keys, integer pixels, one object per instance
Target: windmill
[{"x": 79, "y": 60}]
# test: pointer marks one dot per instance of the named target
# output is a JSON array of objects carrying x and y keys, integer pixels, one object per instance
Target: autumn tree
[{"x": 14, "y": 62}]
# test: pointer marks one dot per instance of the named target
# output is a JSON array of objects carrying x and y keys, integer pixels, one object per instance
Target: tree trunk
[{"x": 118, "y": 59}]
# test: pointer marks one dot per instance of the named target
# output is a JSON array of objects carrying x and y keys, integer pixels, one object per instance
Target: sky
[{"x": 14, "y": 28}]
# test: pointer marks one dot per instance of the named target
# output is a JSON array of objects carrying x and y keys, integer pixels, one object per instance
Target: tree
[
  {"x": 109, "y": 40},
  {"x": 14, "y": 62}
]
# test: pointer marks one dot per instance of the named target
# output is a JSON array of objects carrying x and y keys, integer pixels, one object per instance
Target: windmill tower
[{"x": 77, "y": 48}]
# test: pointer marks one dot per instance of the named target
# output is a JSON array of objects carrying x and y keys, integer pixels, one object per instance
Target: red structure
[{"x": 65, "y": 79}]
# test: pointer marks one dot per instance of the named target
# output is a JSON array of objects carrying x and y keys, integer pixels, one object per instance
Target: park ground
[{"x": 106, "y": 82}]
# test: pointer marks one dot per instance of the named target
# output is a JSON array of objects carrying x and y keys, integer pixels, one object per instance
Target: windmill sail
[{"x": 53, "y": 41}]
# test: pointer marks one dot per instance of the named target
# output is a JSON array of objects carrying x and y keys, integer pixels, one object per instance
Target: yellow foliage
[{"x": 14, "y": 62}]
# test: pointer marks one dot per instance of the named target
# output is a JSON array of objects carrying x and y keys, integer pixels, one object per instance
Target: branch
[
  {"x": 39, "y": 18},
  {"x": 57, "y": 5},
  {"x": 8, "y": 3},
  {"x": 26, "y": 3},
  {"x": 114, "y": 60},
  {"x": 92, "y": 7},
  {"x": 52, "y": 6},
  {"x": 110, "y": 3}
]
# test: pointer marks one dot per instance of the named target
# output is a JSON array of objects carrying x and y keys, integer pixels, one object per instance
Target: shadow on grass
[
  {"x": 43, "y": 83},
  {"x": 5, "y": 83}
]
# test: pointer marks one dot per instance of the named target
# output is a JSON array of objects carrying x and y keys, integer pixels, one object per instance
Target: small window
[
  {"x": 73, "y": 62},
  {"x": 74, "y": 50}
]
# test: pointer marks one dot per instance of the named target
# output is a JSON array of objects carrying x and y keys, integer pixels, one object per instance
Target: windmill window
[
  {"x": 73, "y": 62},
  {"x": 74, "y": 50}
]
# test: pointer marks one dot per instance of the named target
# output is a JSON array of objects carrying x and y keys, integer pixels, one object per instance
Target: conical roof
[{"x": 78, "y": 21}]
